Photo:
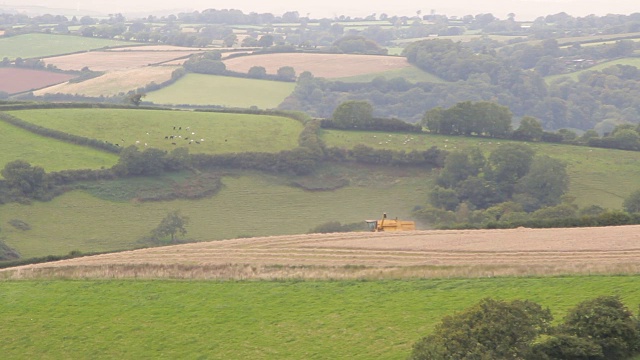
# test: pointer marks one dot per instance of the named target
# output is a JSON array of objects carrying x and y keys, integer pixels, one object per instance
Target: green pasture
[
  {"x": 598, "y": 176},
  {"x": 412, "y": 74},
  {"x": 199, "y": 89},
  {"x": 395, "y": 50},
  {"x": 51, "y": 154},
  {"x": 43, "y": 45},
  {"x": 249, "y": 204},
  {"x": 216, "y": 132},
  {"x": 633, "y": 61},
  {"x": 260, "y": 320}
]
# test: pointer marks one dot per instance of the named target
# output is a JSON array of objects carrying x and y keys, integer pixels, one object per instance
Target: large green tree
[
  {"x": 546, "y": 181},
  {"x": 606, "y": 322},
  {"x": 491, "y": 329},
  {"x": 24, "y": 179},
  {"x": 353, "y": 114},
  {"x": 510, "y": 162},
  {"x": 173, "y": 225},
  {"x": 631, "y": 203}
]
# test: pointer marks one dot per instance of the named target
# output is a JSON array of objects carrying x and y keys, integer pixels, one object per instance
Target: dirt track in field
[
  {"x": 320, "y": 65},
  {"x": 458, "y": 253}
]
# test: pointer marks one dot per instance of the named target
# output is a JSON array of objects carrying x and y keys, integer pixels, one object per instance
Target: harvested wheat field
[
  {"x": 114, "y": 60},
  {"x": 113, "y": 83},
  {"x": 157, "y": 48},
  {"x": 320, "y": 65},
  {"x": 434, "y": 253}
]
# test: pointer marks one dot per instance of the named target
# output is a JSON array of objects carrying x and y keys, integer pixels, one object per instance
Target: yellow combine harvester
[{"x": 390, "y": 225}]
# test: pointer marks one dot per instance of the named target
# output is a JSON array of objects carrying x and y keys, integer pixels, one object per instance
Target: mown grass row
[{"x": 259, "y": 320}]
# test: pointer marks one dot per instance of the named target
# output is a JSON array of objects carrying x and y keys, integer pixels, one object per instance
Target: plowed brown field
[
  {"x": 453, "y": 253},
  {"x": 320, "y": 65},
  {"x": 14, "y": 80}
]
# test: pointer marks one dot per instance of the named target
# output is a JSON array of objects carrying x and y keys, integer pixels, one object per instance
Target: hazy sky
[{"x": 524, "y": 9}]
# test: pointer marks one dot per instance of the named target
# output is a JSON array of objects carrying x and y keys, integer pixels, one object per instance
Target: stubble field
[
  {"x": 374, "y": 256},
  {"x": 113, "y": 83},
  {"x": 114, "y": 60},
  {"x": 320, "y": 65}
]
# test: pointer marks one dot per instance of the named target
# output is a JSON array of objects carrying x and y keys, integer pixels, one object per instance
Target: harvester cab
[{"x": 390, "y": 225}]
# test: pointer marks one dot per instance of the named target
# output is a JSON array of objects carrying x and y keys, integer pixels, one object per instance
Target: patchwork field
[
  {"x": 320, "y": 65},
  {"x": 113, "y": 82},
  {"x": 592, "y": 170},
  {"x": 215, "y": 132},
  {"x": 51, "y": 154},
  {"x": 364, "y": 255},
  {"x": 15, "y": 80},
  {"x": 41, "y": 45},
  {"x": 199, "y": 89},
  {"x": 114, "y": 60},
  {"x": 260, "y": 320}
]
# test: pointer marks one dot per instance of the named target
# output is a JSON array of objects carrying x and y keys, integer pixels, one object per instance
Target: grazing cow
[
  {"x": 186, "y": 138},
  {"x": 166, "y": 137},
  {"x": 198, "y": 142},
  {"x": 173, "y": 144}
]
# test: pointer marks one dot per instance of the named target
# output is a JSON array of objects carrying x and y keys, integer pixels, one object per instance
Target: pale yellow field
[
  {"x": 114, "y": 60},
  {"x": 157, "y": 48},
  {"x": 432, "y": 253},
  {"x": 114, "y": 82},
  {"x": 320, "y": 65}
]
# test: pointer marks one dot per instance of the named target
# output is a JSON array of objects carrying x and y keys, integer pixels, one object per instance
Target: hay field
[
  {"x": 320, "y": 65},
  {"x": 113, "y": 83},
  {"x": 114, "y": 60},
  {"x": 432, "y": 253}
]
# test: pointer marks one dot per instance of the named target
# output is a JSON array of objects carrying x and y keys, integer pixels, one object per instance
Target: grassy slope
[
  {"x": 598, "y": 176},
  {"x": 52, "y": 155},
  {"x": 249, "y": 205},
  {"x": 198, "y": 89},
  {"x": 259, "y": 320},
  {"x": 412, "y": 74},
  {"x": 40, "y": 45},
  {"x": 223, "y": 133},
  {"x": 574, "y": 75}
]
